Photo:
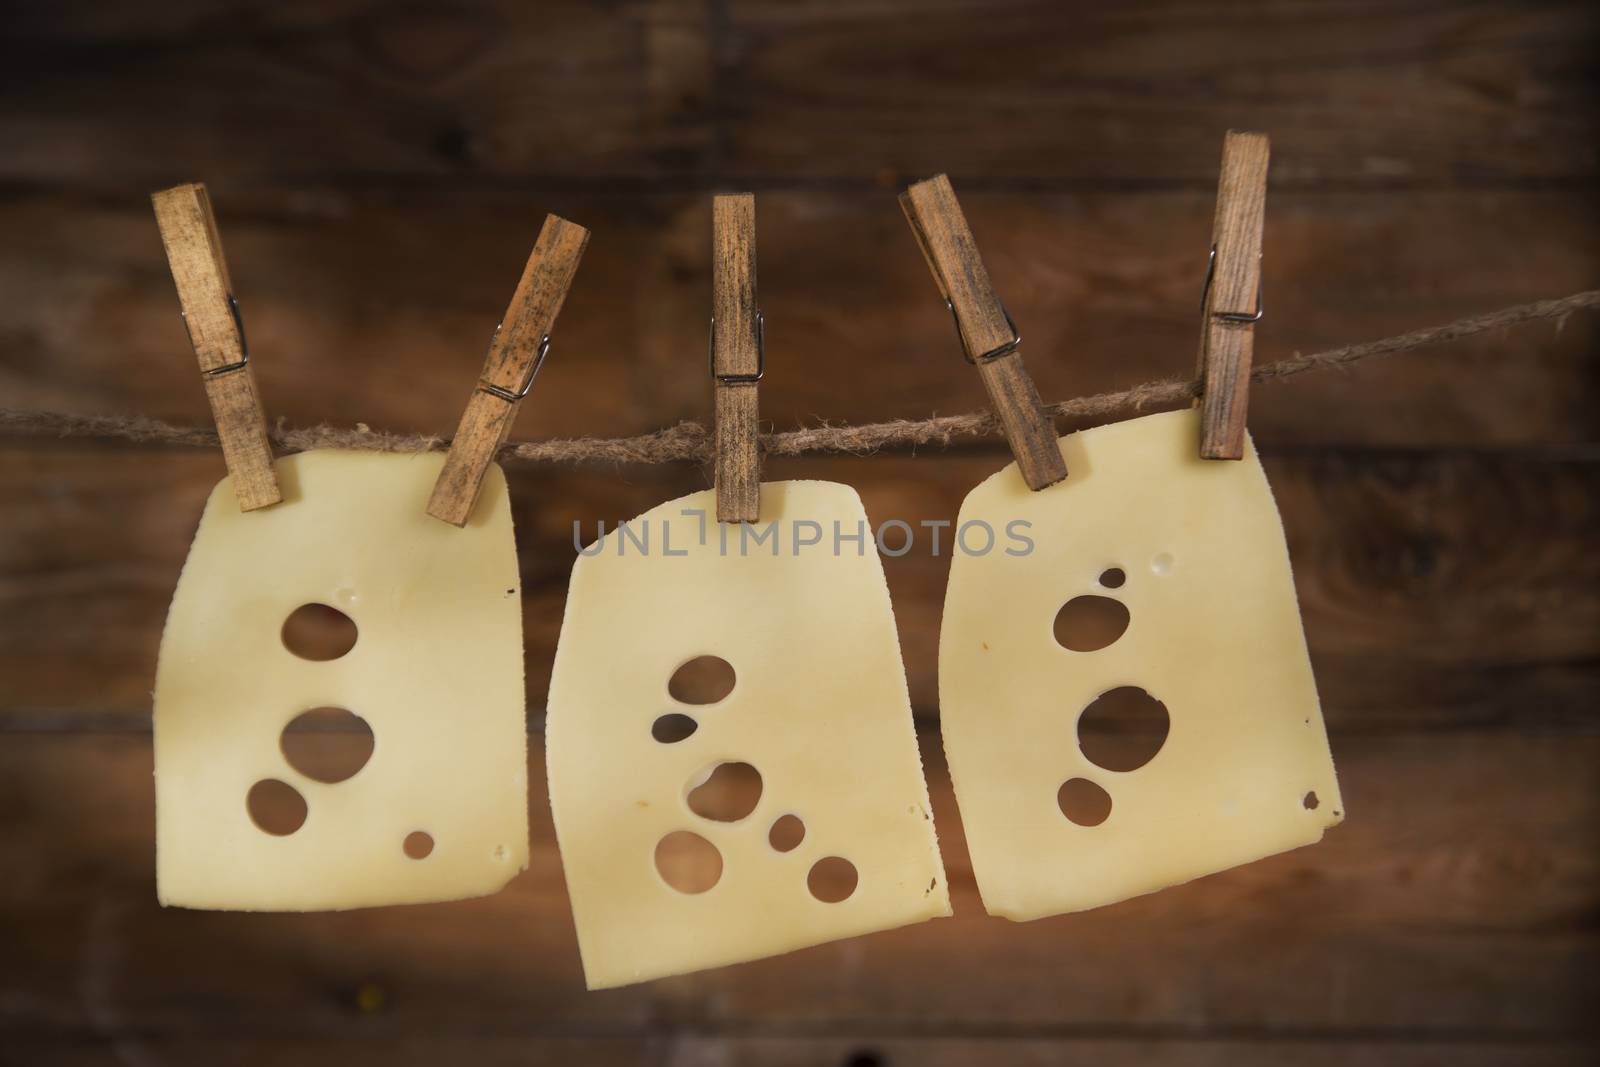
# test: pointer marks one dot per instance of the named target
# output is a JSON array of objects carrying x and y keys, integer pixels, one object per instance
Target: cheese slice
[
  {"x": 436, "y": 672},
  {"x": 1213, "y": 633},
  {"x": 819, "y": 708}
]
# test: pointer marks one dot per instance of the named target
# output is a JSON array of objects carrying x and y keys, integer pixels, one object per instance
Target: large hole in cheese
[
  {"x": 276, "y": 807},
  {"x": 688, "y": 862},
  {"x": 832, "y": 879},
  {"x": 702, "y": 680},
  {"x": 1090, "y": 623},
  {"x": 418, "y": 845},
  {"x": 670, "y": 729},
  {"x": 327, "y": 744},
  {"x": 1083, "y": 802},
  {"x": 786, "y": 833},
  {"x": 1122, "y": 729},
  {"x": 727, "y": 792},
  {"x": 318, "y": 632}
]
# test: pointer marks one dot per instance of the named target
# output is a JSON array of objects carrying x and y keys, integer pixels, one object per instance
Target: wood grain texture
[
  {"x": 374, "y": 306},
  {"x": 205, "y": 292},
  {"x": 822, "y": 92},
  {"x": 1233, "y": 294},
  {"x": 1430, "y": 161},
  {"x": 737, "y": 357},
  {"x": 987, "y": 333},
  {"x": 1439, "y": 591},
  {"x": 513, "y": 358},
  {"x": 864, "y": 1047},
  {"x": 1453, "y": 904}
]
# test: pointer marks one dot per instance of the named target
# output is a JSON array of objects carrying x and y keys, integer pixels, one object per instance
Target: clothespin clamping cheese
[
  {"x": 987, "y": 332},
  {"x": 348, "y": 604},
  {"x": 1230, "y": 304},
  {"x": 1126, "y": 700},
  {"x": 216, "y": 330},
  {"x": 738, "y": 356},
  {"x": 520, "y": 344},
  {"x": 743, "y": 778}
]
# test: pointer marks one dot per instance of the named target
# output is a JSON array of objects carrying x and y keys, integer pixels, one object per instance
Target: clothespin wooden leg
[
  {"x": 987, "y": 332},
  {"x": 515, "y": 354},
  {"x": 738, "y": 359},
  {"x": 216, "y": 330},
  {"x": 1231, "y": 304}
]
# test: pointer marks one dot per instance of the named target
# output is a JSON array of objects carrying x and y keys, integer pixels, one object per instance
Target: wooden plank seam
[
  {"x": 988, "y": 335},
  {"x": 216, "y": 331},
  {"x": 1231, "y": 303},
  {"x": 515, "y": 355},
  {"x": 738, "y": 358}
]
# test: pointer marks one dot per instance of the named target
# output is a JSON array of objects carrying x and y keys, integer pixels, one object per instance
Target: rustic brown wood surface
[
  {"x": 378, "y": 170},
  {"x": 988, "y": 336},
  {"x": 514, "y": 357},
  {"x": 1232, "y": 295},
  {"x": 211, "y": 318},
  {"x": 737, "y": 357}
]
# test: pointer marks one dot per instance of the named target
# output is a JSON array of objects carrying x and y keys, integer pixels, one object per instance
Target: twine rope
[{"x": 692, "y": 441}]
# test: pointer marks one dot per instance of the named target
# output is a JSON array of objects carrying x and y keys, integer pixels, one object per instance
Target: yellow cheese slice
[
  {"x": 818, "y": 707},
  {"x": 1213, "y": 633},
  {"x": 436, "y": 673}
]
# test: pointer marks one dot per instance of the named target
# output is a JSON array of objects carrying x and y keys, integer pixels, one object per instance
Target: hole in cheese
[
  {"x": 688, "y": 862},
  {"x": 327, "y": 744},
  {"x": 1083, "y": 802},
  {"x": 318, "y": 632},
  {"x": 1310, "y": 801},
  {"x": 1162, "y": 563},
  {"x": 1122, "y": 729},
  {"x": 1112, "y": 577},
  {"x": 276, "y": 807},
  {"x": 418, "y": 845},
  {"x": 832, "y": 879},
  {"x": 1090, "y": 623},
  {"x": 702, "y": 680},
  {"x": 727, "y": 792},
  {"x": 787, "y": 833},
  {"x": 670, "y": 729}
]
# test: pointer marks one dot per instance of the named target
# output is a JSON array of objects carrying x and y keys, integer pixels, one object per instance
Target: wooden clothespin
[
  {"x": 1231, "y": 302},
  {"x": 515, "y": 354},
  {"x": 738, "y": 357},
  {"x": 987, "y": 333},
  {"x": 216, "y": 330}
]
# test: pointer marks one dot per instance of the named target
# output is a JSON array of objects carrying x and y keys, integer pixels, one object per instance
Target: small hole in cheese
[
  {"x": 832, "y": 879},
  {"x": 276, "y": 807},
  {"x": 1090, "y": 623},
  {"x": 1122, "y": 729},
  {"x": 318, "y": 632},
  {"x": 418, "y": 845},
  {"x": 787, "y": 833},
  {"x": 702, "y": 680},
  {"x": 688, "y": 862},
  {"x": 1162, "y": 563},
  {"x": 327, "y": 744},
  {"x": 1310, "y": 801},
  {"x": 727, "y": 792},
  {"x": 1112, "y": 578},
  {"x": 670, "y": 729},
  {"x": 1083, "y": 802}
]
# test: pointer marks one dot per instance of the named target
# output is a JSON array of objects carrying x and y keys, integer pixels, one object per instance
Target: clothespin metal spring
[
  {"x": 761, "y": 355},
  {"x": 1241, "y": 317},
  {"x": 1005, "y": 348},
  {"x": 522, "y": 391},
  {"x": 244, "y": 341}
]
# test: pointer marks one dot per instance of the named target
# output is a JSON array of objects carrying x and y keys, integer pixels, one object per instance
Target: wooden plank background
[{"x": 379, "y": 172}]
